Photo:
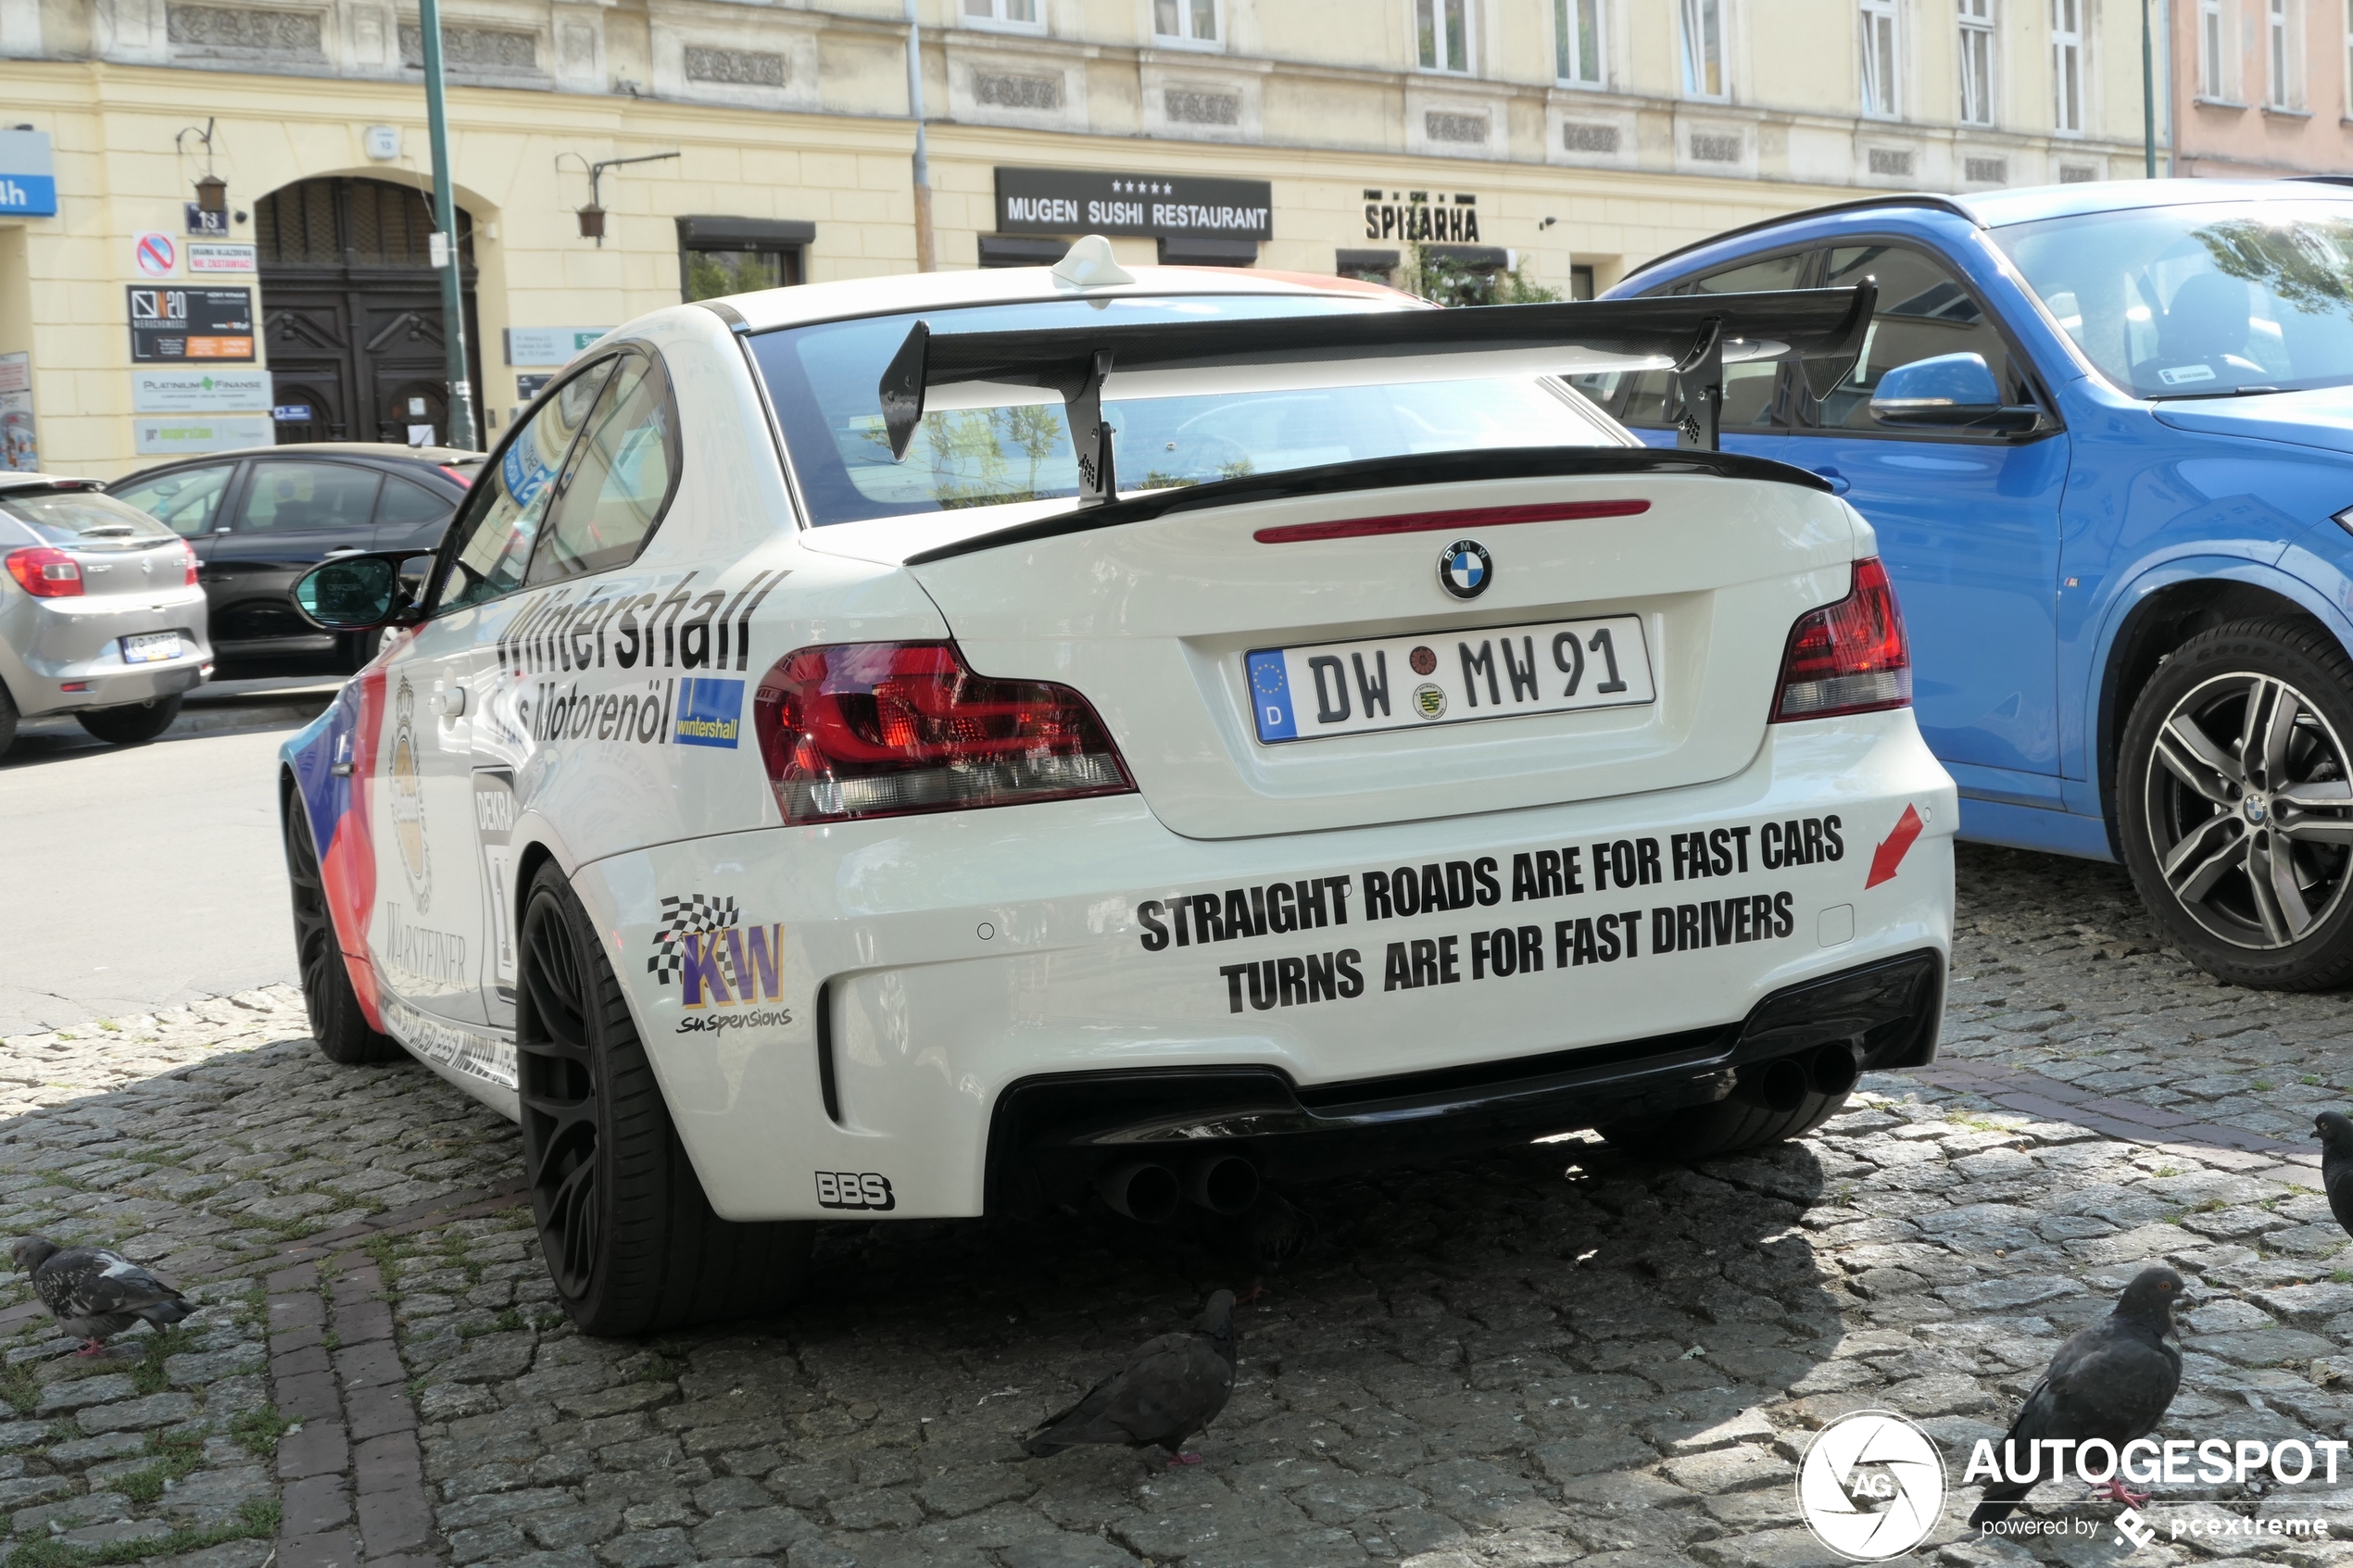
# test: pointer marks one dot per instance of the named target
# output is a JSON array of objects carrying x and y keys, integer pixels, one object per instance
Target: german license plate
[
  {"x": 1454, "y": 678},
  {"x": 151, "y": 647}
]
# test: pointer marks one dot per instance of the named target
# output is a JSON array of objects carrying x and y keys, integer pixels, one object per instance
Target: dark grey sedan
[{"x": 260, "y": 518}]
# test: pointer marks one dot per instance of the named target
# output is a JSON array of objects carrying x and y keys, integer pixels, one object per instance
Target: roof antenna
[{"x": 1089, "y": 265}]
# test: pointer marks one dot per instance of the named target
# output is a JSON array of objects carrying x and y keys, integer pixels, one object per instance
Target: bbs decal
[{"x": 855, "y": 1189}]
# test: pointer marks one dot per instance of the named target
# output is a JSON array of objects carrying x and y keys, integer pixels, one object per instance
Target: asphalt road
[{"x": 145, "y": 877}]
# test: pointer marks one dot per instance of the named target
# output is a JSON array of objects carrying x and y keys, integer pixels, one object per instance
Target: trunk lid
[
  {"x": 128, "y": 566},
  {"x": 1151, "y": 619}
]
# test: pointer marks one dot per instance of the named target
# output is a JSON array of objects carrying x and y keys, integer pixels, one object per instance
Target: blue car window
[
  {"x": 2200, "y": 301},
  {"x": 1923, "y": 312},
  {"x": 1748, "y": 389}
]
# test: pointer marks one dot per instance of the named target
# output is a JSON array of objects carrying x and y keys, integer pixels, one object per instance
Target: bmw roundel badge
[{"x": 1465, "y": 569}]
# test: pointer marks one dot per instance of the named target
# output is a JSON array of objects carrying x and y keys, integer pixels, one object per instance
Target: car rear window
[
  {"x": 83, "y": 518},
  {"x": 822, "y": 380}
]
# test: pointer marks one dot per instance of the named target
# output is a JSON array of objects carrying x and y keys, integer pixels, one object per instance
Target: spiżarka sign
[{"x": 1077, "y": 201}]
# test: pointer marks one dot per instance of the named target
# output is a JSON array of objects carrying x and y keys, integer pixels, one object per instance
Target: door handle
[
  {"x": 1840, "y": 483},
  {"x": 449, "y": 701}
]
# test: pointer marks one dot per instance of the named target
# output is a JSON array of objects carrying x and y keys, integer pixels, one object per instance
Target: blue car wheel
[{"x": 2235, "y": 804}]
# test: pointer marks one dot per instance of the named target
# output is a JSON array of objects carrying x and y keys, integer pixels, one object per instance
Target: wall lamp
[{"x": 592, "y": 217}]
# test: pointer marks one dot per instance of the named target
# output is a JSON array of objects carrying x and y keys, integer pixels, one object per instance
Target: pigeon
[
  {"x": 2113, "y": 1379},
  {"x": 1265, "y": 1237},
  {"x": 1173, "y": 1387},
  {"x": 2335, "y": 1129},
  {"x": 96, "y": 1294}
]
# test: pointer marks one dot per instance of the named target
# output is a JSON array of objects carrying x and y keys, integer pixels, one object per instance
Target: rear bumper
[
  {"x": 905, "y": 974},
  {"x": 50, "y": 645},
  {"x": 1054, "y": 1134}
]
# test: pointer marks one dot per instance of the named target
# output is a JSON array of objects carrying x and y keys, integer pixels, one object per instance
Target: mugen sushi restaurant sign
[{"x": 1075, "y": 201}]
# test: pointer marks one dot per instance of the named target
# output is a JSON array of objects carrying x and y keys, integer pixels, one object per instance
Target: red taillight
[
  {"x": 884, "y": 729},
  {"x": 1850, "y": 657},
  {"x": 188, "y": 558},
  {"x": 46, "y": 573}
]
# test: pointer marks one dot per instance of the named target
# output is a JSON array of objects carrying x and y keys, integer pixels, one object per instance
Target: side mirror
[
  {"x": 1951, "y": 389},
  {"x": 356, "y": 592}
]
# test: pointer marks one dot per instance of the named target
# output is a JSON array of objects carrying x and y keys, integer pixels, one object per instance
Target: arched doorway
[{"x": 351, "y": 309}]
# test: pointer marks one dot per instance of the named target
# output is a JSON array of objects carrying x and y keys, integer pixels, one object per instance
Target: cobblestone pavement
[{"x": 1558, "y": 1355}]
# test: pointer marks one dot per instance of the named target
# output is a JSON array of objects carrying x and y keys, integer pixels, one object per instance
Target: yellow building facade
[{"x": 1567, "y": 139}]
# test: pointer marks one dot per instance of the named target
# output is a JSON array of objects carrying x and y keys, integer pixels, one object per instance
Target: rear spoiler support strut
[{"x": 1699, "y": 380}]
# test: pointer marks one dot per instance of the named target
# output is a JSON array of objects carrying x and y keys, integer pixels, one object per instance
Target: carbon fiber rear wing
[{"x": 1695, "y": 336}]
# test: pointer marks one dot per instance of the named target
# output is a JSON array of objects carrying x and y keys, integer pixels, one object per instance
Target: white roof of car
[{"x": 1011, "y": 285}]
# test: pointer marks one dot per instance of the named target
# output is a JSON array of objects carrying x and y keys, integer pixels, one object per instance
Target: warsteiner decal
[{"x": 407, "y": 785}]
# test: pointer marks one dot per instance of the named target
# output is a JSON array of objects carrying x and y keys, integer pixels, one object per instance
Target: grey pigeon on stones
[
  {"x": 2335, "y": 1129},
  {"x": 95, "y": 1294},
  {"x": 2114, "y": 1381},
  {"x": 1172, "y": 1387}
]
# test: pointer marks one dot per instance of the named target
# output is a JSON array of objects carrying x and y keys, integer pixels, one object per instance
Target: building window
[
  {"x": 2211, "y": 82},
  {"x": 1027, "y": 14},
  {"x": 1881, "y": 66},
  {"x": 2280, "y": 56},
  {"x": 1576, "y": 42},
  {"x": 1703, "y": 48},
  {"x": 2067, "y": 65},
  {"x": 1184, "y": 21},
  {"x": 1443, "y": 27},
  {"x": 722, "y": 256},
  {"x": 1977, "y": 62}
]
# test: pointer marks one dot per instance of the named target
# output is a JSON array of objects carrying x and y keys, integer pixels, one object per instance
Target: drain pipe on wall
[{"x": 927, "y": 253}]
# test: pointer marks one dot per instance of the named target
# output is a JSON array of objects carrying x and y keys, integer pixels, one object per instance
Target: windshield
[
  {"x": 822, "y": 380},
  {"x": 83, "y": 518},
  {"x": 2200, "y": 301}
]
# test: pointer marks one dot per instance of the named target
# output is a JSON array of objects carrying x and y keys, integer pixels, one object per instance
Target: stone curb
[
  {"x": 2031, "y": 1094},
  {"x": 351, "y": 1482}
]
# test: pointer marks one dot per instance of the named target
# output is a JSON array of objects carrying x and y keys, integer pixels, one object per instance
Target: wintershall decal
[
  {"x": 679, "y": 628},
  {"x": 710, "y": 712}
]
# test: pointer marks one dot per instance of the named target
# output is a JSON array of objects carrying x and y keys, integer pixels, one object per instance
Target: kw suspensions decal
[
  {"x": 1609, "y": 871},
  {"x": 561, "y": 632}
]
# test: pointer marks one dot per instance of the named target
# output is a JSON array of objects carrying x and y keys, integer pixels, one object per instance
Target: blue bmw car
[{"x": 2105, "y": 433}]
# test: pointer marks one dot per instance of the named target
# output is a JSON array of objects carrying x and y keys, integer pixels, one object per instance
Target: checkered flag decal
[{"x": 683, "y": 915}]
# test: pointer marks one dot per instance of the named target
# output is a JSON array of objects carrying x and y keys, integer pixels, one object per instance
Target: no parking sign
[{"x": 156, "y": 255}]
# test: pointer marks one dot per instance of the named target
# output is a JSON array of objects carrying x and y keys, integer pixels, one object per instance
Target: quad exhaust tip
[
  {"x": 1223, "y": 1184},
  {"x": 1140, "y": 1189},
  {"x": 1149, "y": 1191},
  {"x": 1834, "y": 1069}
]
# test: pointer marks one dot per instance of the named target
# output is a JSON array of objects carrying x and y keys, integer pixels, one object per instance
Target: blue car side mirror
[{"x": 1951, "y": 389}]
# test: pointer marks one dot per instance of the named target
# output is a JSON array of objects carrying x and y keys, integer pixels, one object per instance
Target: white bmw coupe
[{"x": 927, "y": 746}]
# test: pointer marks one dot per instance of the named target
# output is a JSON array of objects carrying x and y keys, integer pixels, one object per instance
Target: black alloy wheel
[
  {"x": 336, "y": 1023},
  {"x": 2236, "y": 806},
  {"x": 630, "y": 1240}
]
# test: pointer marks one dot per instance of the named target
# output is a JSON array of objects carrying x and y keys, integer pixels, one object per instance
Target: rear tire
[
  {"x": 629, "y": 1237},
  {"x": 1727, "y": 1126},
  {"x": 7, "y": 720},
  {"x": 337, "y": 1021},
  {"x": 133, "y": 723}
]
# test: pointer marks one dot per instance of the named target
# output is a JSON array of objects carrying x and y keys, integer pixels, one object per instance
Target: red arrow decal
[{"x": 1889, "y": 854}]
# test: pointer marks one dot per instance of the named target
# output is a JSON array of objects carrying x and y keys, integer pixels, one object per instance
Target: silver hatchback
[{"x": 100, "y": 613}]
